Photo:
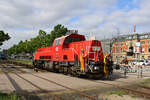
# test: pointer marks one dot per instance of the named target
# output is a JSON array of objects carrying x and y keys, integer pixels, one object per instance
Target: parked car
[
  {"x": 133, "y": 62},
  {"x": 3, "y": 56},
  {"x": 142, "y": 62}
]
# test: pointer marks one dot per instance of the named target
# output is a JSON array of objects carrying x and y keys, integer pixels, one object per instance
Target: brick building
[{"x": 133, "y": 46}]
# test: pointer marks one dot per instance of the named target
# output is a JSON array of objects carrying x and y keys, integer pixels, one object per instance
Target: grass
[
  {"x": 1, "y": 71},
  {"x": 22, "y": 61},
  {"x": 146, "y": 82},
  {"x": 119, "y": 93},
  {"x": 133, "y": 96},
  {"x": 148, "y": 79},
  {"x": 5, "y": 96}
]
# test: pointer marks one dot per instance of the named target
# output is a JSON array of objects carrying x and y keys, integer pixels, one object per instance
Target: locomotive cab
[
  {"x": 62, "y": 48},
  {"x": 57, "y": 47},
  {"x": 72, "y": 38}
]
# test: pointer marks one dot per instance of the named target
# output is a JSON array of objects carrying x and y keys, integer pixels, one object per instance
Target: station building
[{"x": 133, "y": 47}]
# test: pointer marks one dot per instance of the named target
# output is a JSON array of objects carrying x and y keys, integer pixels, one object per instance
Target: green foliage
[
  {"x": 148, "y": 79},
  {"x": 43, "y": 39},
  {"x": 3, "y": 37},
  {"x": 5, "y": 96},
  {"x": 1, "y": 71},
  {"x": 119, "y": 93},
  {"x": 22, "y": 61},
  {"x": 133, "y": 96}
]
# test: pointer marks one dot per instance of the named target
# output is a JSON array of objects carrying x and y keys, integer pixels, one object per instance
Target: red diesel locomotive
[{"x": 72, "y": 54}]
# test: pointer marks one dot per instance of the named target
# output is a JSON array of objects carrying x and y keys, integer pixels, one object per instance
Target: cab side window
[
  {"x": 71, "y": 39},
  {"x": 58, "y": 42}
]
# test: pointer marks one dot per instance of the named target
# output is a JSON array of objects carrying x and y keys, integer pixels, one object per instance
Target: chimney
[{"x": 134, "y": 28}]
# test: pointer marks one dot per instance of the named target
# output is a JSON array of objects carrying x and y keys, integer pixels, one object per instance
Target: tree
[
  {"x": 58, "y": 31},
  {"x": 3, "y": 37},
  {"x": 43, "y": 39}
]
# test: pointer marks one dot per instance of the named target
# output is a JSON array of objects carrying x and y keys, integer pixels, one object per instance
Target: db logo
[{"x": 56, "y": 48}]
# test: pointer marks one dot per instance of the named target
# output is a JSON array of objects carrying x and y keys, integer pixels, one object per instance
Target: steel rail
[
  {"x": 81, "y": 93},
  {"x": 145, "y": 87},
  {"x": 128, "y": 89},
  {"x": 92, "y": 98},
  {"x": 53, "y": 96}
]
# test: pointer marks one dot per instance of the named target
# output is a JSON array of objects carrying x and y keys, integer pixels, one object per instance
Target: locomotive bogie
[{"x": 69, "y": 68}]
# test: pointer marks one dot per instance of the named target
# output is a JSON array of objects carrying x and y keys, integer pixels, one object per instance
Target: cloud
[
  {"x": 23, "y": 18},
  {"x": 28, "y": 14},
  {"x": 16, "y": 36}
]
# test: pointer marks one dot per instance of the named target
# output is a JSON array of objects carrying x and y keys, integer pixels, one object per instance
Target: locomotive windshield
[{"x": 72, "y": 39}]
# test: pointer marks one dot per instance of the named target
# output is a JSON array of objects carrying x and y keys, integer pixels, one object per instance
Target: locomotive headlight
[
  {"x": 95, "y": 48},
  {"x": 98, "y": 59},
  {"x": 96, "y": 68}
]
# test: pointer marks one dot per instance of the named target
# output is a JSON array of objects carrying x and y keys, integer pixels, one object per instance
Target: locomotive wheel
[
  {"x": 36, "y": 65},
  {"x": 51, "y": 66},
  {"x": 72, "y": 72},
  {"x": 56, "y": 68},
  {"x": 65, "y": 70},
  {"x": 110, "y": 76},
  {"x": 69, "y": 71},
  {"x": 90, "y": 76},
  {"x": 45, "y": 65},
  {"x": 39, "y": 66}
]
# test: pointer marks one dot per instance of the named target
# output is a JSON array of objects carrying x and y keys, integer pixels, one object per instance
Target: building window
[
  {"x": 142, "y": 49},
  {"x": 149, "y": 49},
  {"x": 121, "y": 50},
  {"x": 130, "y": 37},
  {"x": 142, "y": 42},
  {"x": 146, "y": 36},
  {"x": 117, "y": 45},
  {"x": 126, "y": 38},
  {"x": 142, "y": 37},
  {"x": 148, "y": 57},
  {"x": 142, "y": 57},
  {"x": 135, "y": 37},
  {"x": 121, "y": 44},
  {"x": 117, "y": 50}
]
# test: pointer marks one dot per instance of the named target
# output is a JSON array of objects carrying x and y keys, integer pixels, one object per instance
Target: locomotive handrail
[
  {"x": 71, "y": 49},
  {"x": 89, "y": 47},
  {"x": 75, "y": 51},
  {"x": 94, "y": 55}
]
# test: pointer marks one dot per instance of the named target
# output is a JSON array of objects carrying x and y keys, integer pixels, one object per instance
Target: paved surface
[{"x": 25, "y": 82}]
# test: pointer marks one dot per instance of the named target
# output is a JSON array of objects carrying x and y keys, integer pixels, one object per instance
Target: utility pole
[
  {"x": 111, "y": 45},
  {"x": 117, "y": 51}
]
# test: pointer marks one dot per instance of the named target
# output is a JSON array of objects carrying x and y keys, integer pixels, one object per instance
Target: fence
[{"x": 139, "y": 69}]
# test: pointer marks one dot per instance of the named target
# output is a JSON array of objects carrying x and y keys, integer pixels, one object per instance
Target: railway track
[
  {"x": 23, "y": 66},
  {"x": 129, "y": 90},
  {"x": 138, "y": 85},
  {"x": 35, "y": 92},
  {"x": 137, "y": 74},
  {"x": 75, "y": 90}
]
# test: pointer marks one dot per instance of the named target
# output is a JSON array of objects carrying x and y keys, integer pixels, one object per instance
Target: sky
[{"x": 22, "y": 19}]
